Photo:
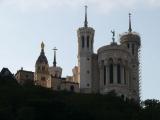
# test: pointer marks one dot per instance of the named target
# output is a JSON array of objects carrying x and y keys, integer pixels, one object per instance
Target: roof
[
  {"x": 42, "y": 58},
  {"x": 5, "y": 72},
  {"x": 130, "y": 37},
  {"x": 24, "y": 71},
  {"x": 112, "y": 47}
]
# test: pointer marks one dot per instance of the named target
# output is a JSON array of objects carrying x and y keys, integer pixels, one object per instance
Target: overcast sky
[{"x": 24, "y": 24}]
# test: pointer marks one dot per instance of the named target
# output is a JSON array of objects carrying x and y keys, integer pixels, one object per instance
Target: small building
[
  {"x": 69, "y": 86},
  {"x": 24, "y": 77}
]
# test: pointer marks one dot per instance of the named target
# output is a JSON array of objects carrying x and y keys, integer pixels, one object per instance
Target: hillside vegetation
[{"x": 37, "y": 103}]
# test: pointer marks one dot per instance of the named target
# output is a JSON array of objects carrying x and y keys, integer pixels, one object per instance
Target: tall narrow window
[
  {"x": 91, "y": 44},
  {"x": 125, "y": 76},
  {"x": 133, "y": 49},
  {"x": 104, "y": 75},
  {"x": 111, "y": 73},
  {"x": 87, "y": 41},
  {"x": 82, "y": 38},
  {"x": 128, "y": 45},
  {"x": 119, "y": 74},
  {"x": 43, "y": 78},
  {"x": 43, "y": 68}
]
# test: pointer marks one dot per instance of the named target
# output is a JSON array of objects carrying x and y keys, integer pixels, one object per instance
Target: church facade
[{"x": 115, "y": 67}]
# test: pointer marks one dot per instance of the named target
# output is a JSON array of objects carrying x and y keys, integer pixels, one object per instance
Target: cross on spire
[
  {"x": 130, "y": 24},
  {"x": 86, "y": 22},
  {"x": 54, "y": 62}
]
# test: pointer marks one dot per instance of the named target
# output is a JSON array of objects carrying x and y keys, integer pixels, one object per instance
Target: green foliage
[
  {"x": 150, "y": 110},
  {"x": 37, "y": 103}
]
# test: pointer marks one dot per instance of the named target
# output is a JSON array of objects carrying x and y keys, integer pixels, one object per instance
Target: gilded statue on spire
[
  {"x": 113, "y": 35},
  {"x": 42, "y": 45}
]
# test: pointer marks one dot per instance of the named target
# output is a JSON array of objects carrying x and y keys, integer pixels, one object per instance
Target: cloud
[{"x": 101, "y": 5}]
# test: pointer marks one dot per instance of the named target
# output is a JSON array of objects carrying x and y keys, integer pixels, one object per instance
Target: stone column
[
  {"x": 107, "y": 74},
  {"x": 101, "y": 75},
  {"x": 114, "y": 73},
  {"x": 128, "y": 76},
  {"x": 122, "y": 74},
  {"x": 125, "y": 74}
]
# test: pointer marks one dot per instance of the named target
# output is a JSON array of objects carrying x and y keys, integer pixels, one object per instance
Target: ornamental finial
[
  {"x": 42, "y": 45},
  {"x": 130, "y": 24},
  {"x": 86, "y": 22}
]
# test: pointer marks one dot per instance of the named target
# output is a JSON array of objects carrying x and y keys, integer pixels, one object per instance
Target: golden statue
[{"x": 42, "y": 45}]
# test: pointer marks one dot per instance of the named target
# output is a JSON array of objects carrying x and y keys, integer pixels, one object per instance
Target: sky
[{"x": 24, "y": 24}]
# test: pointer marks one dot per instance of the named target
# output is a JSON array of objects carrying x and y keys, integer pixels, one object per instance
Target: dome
[
  {"x": 112, "y": 47},
  {"x": 42, "y": 58},
  {"x": 113, "y": 51},
  {"x": 130, "y": 37}
]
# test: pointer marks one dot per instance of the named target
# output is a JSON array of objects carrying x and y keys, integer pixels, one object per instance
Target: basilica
[{"x": 114, "y": 67}]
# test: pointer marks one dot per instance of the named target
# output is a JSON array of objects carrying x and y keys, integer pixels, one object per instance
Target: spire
[
  {"x": 130, "y": 25},
  {"x": 54, "y": 62},
  {"x": 85, "y": 22},
  {"x": 113, "y": 35},
  {"x": 42, "y": 48}
]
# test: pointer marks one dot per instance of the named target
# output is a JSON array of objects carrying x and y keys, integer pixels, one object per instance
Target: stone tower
[
  {"x": 85, "y": 51},
  {"x": 114, "y": 64},
  {"x": 41, "y": 69},
  {"x": 55, "y": 70},
  {"x": 132, "y": 41}
]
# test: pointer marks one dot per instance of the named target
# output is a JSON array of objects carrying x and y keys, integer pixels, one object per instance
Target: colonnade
[{"x": 114, "y": 73}]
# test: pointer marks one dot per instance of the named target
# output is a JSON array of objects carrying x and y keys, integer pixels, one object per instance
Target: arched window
[
  {"x": 43, "y": 68},
  {"x": 39, "y": 68},
  {"x": 122, "y": 96},
  {"x": 91, "y": 43},
  {"x": 43, "y": 78},
  {"x": 111, "y": 70},
  {"x": 119, "y": 73},
  {"x": 87, "y": 41},
  {"x": 128, "y": 45},
  {"x": 104, "y": 75},
  {"x": 82, "y": 38},
  {"x": 133, "y": 49},
  {"x": 72, "y": 88}
]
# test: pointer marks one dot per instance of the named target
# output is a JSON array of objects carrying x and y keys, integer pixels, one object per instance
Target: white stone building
[{"x": 115, "y": 67}]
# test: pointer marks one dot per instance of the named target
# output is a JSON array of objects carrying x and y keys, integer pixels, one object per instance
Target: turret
[
  {"x": 132, "y": 41},
  {"x": 55, "y": 71},
  {"x": 85, "y": 36},
  {"x": 41, "y": 69}
]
